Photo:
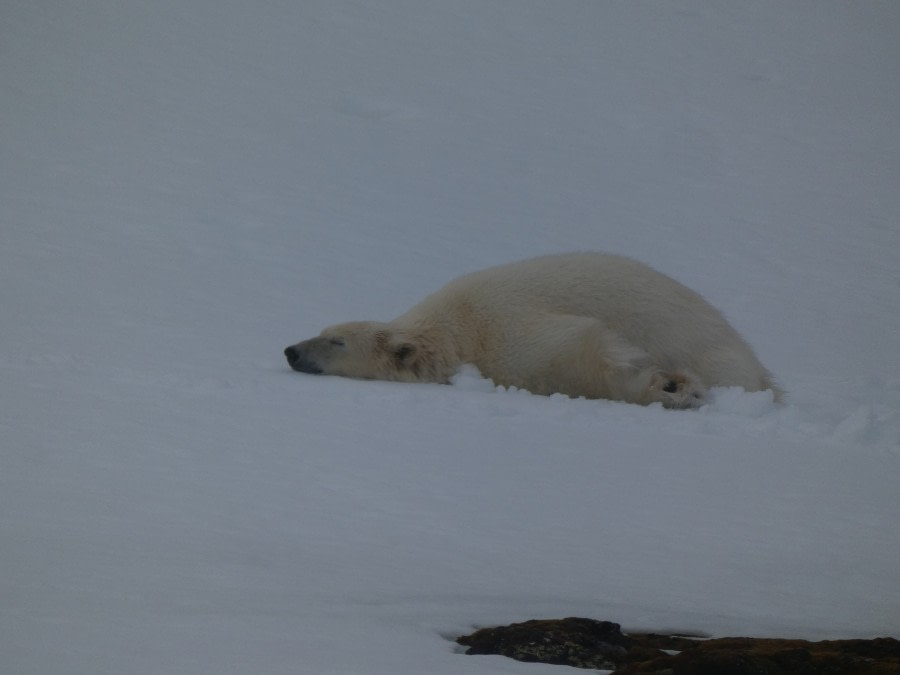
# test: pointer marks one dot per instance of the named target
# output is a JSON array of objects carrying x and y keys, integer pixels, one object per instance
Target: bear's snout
[{"x": 298, "y": 360}]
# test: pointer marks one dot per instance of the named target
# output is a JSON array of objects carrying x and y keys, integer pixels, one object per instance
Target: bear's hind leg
[
  {"x": 630, "y": 374},
  {"x": 677, "y": 390},
  {"x": 580, "y": 356},
  {"x": 641, "y": 382},
  {"x": 625, "y": 372}
]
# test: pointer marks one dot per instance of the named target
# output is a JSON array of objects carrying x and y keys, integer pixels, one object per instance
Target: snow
[{"x": 187, "y": 187}]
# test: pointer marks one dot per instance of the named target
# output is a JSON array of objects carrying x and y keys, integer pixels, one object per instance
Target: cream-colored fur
[{"x": 582, "y": 324}]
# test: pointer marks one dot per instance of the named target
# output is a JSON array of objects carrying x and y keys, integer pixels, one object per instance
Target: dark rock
[
  {"x": 583, "y": 643},
  {"x": 586, "y": 643},
  {"x": 751, "y": 656}
]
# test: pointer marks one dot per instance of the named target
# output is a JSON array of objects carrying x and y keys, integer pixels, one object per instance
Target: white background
[{"x": 188, "y": 186}]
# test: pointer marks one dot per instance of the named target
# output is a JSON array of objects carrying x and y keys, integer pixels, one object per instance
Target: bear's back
[
  {"x": 618, "y": 290},
  {"x": 669, "y": 321}
]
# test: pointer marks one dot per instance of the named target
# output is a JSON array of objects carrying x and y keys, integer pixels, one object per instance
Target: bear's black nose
[{"x": 299, "y": 360}]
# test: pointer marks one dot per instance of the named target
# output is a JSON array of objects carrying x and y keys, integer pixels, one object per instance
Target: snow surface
[{"x": 188, "y": 186}]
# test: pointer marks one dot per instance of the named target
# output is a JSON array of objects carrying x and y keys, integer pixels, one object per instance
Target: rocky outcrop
[
  {"x": 583, "y": 643},
  {"x": 587, "y": 643}
]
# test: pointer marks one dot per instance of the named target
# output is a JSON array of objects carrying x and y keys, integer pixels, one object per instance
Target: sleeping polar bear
[{"x": 582, "y": 324}]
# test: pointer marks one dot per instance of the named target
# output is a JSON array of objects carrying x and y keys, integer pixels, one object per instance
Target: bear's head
[{"x": 361, "y": 349}]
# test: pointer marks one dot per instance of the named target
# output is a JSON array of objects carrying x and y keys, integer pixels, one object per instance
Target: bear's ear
[{"x": 404, "y": 352}]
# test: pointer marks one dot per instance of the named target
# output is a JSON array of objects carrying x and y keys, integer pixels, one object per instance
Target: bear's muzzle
[{"x": 300, "y": 361}]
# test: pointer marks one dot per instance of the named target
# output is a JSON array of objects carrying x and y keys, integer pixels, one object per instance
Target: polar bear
[{"x": 582, "y": 324}]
